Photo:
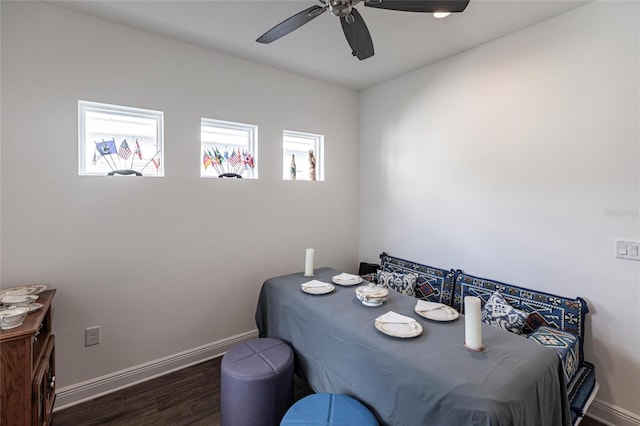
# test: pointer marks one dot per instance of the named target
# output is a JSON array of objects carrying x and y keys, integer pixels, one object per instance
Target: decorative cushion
[
  {"x": 432, "y": 284},
  {"x": 564, "y": 344},
  {"x": 558, "y": 312},
  {"x": 402, "y": 283},
  {"x": 498, "y": 312}
]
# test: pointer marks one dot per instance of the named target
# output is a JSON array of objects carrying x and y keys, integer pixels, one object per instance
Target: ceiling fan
[{"x": 353, "y": 26}]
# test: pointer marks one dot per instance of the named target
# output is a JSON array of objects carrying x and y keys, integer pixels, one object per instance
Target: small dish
[
  {"x": 12, "y": 318},
  {"x": 372, "y": 295},
  {"x": 22, "y": 300},
  {"x": 317, "y": 289}
]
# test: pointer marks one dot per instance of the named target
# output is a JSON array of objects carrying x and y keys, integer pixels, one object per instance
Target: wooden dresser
[{"x": 27, "y": 369}]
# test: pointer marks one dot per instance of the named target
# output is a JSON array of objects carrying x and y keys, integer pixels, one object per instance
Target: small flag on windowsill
[
  {"x": 106, "y": 147},
  {"x": 124, "y": 151}
]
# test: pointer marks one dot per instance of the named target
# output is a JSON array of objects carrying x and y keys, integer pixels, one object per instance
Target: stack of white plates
[
  {"x": 24, "y": 296},
  {"x": 23, "y": 289}
]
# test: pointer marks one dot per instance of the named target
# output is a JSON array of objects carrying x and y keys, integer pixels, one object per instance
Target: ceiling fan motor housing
[{"x": 340, "y": 8}]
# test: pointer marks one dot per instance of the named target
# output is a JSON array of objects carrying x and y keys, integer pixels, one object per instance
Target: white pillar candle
[
  {"x": 308, "y": 263},
  {"x": 472, "y": 323}
]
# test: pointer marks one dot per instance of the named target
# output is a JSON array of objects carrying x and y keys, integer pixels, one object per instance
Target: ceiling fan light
[{"x": 441, "y": 14}]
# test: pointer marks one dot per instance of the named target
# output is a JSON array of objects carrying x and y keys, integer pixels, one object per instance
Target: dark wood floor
[{"x": 187, "y": 397}]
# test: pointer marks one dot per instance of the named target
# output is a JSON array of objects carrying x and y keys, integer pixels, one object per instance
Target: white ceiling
[{"x": 403, "y": 41}]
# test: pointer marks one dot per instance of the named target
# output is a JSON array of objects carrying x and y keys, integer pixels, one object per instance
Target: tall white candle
[
  {"x": 308, "y": 263},
  {"x": 472, "y": 323}
]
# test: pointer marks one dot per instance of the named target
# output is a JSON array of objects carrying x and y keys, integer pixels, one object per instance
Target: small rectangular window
[
  {"x": 115, "y": 139},
  {"x": 302, "y": 156},
  {"x": 228, "y": 149}
]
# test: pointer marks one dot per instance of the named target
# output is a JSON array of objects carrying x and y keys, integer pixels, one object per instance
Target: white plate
[
  {"x": 318, "y": 290},
  {"x": 23, "y": 300},
  {"x": 446, "y": 313},
  {"x": 402, "y": 330},
  {"x": 24, "y": 290},
  {"x": 34, "y": 306},
  {"x": 346, "y": 283}
]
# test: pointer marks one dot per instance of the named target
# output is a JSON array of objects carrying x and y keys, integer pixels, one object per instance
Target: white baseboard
[
  {"x": 90, "y": 389},
  {"x": 612, "y": 415}
]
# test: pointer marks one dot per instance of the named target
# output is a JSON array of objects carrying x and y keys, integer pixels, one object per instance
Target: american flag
[
  {"x": 124, "y": 151},
  {"x": 235, "y": 159}
]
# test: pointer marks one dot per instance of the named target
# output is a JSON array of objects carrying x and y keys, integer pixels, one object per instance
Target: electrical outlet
[{"x": 92, "y": 336}]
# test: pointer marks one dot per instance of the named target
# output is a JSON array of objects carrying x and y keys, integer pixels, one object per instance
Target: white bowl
[
  {"x": 22, "y": 300},
  {"x": 13, "y": 317},
  {"x": 372, "y": 295}
]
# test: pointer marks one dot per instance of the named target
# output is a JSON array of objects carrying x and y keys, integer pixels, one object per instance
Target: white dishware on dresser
[
  {"x": 24, "y": 289},
  {"x": 19, "y": 300},
  {"x": 12, "y": 318}
]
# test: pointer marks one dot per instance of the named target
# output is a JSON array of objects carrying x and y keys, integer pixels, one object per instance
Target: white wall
[
  {"x": 519, "y": 161},
  {"x": 206, "y": 244}
]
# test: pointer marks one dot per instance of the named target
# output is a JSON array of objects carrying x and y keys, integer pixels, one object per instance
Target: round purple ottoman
[{"x": 256, "y": 383}]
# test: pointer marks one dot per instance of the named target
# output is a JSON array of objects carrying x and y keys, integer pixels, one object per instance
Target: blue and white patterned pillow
[
  {"x": 564, "y": 344},
  {"x": 402, "y": 283},
  {"x": 499, "y": 313}
]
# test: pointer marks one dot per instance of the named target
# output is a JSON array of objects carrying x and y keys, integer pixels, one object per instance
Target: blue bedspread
[{"x": 427, "y": 380}]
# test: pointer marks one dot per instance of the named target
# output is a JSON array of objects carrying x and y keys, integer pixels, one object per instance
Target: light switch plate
[
  {"x": 626, "y": 249},
  {"x": 621, "y": 248}
]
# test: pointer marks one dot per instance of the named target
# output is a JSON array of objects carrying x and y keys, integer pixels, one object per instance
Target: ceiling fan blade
[
  {"x": 357, "y": 34},
  {"x": 429, "y": 6},
  {"x": 292, "y": 23}
]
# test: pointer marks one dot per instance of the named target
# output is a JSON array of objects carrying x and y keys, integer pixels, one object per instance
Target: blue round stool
[
  {"x": 328, "y": 409},
  {"x": 256, "y": 383}
]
